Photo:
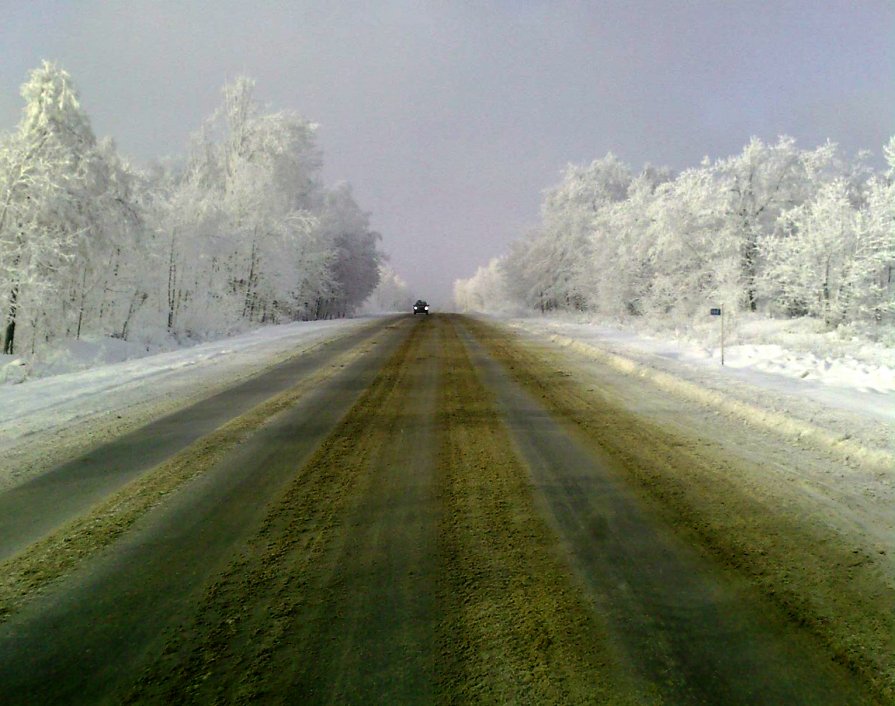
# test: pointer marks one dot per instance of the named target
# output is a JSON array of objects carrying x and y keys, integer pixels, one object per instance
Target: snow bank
[
  {"x": 87, "y": 384},
  {"x": 844, "y": 403},
  {"x": 847, "y": 372}
]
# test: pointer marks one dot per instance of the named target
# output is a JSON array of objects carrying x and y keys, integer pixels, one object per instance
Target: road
[{"x": 426, "y": 512}]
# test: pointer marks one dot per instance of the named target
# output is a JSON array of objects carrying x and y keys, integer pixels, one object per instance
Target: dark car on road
[{"x": 420, "y": 307}]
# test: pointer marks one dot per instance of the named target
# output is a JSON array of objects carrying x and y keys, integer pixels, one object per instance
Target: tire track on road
[
  {"x": 249, "y": 641},
  {"x": 516, "y": 626},
  {"x": 25, "y": 574},
  {"x": 33, "y": 509},
  {"x": 367, "y": 637}
]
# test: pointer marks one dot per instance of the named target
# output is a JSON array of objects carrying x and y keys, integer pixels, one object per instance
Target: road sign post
[{"x": 720, "y": 312}]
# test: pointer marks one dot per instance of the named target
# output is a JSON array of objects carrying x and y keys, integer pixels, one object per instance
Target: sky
[{"x": 450, "y": 118}]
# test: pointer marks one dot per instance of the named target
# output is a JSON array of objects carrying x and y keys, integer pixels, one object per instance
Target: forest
[
  {"x": 238, "y": 232},
  {"x": 777, "y": 230}
]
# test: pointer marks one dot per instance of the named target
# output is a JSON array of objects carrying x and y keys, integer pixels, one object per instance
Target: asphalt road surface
[{"x": 423, "y": 512}]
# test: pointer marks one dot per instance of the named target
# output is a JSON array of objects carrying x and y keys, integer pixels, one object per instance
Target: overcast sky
[{"x": 450, "y": 118}]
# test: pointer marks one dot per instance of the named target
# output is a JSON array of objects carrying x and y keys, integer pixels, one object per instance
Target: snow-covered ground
[
  {"x": 780, "y": 374},
  {"x": 64, "y": 406}
]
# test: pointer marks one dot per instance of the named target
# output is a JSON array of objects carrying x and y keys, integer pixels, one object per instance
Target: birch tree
[
  {"x": 486, "y": 291},
  {"x": 55, "y": 222},
  {"x": 391, "y": 294},
  {"x": 761, "y": 182},
  {"x": 356, "y": 261}
]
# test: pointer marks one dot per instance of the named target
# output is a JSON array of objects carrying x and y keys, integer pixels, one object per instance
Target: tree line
[
  {"x": 775, "y": 229},
  {"x": 240, "y": 231}
]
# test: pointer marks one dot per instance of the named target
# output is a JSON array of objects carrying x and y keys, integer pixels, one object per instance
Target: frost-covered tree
[
  {"x": 810, "y": 264},
  {"x": 120, "y": 252},
  {"x": 63, "y": 209},
  {"x": 775, "y": 228},
  {"x": 486, "y": 291},
  {"x": 550, "y": 271},
  {"x": 240, "y": 222},
  {"x": 264, "y": 169},
  {"x": 240, "y": 232},
  {"x": 190, "y": 245},
  {"x": 832, "y": 260},
  {"x": 873, "y": 295},
  {"x": 693, "y": 249},
  {"x": 356, "y": 260},
  {"x": 531, "y": 273},
  {"x": 264, "y": 239},
  {"x": 760, "y": 183},
  {"x": 889, "y": 154},
  {"x": 391, "y": 294},
  {"x": 621, "y": 270}
]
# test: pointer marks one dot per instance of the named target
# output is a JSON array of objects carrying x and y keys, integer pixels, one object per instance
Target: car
[{"x": 421, "y": 307}]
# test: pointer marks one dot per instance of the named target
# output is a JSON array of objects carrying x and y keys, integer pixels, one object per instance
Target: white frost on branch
[
  {"x": 776, "y": 230},
  {"x": 242, "y": 232}
]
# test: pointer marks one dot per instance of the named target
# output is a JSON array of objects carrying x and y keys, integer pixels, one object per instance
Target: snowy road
[
  {"x": 31, "y": 509},
  {"x": 437, "y": 509}
]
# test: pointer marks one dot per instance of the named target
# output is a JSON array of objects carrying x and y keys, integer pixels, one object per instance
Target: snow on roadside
[
  {"x": 843, "y": 401},
  {"x": 45, "y": 404}
]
